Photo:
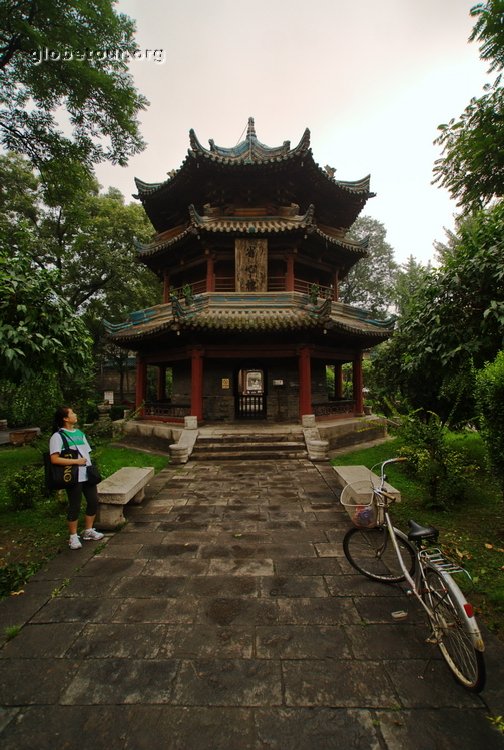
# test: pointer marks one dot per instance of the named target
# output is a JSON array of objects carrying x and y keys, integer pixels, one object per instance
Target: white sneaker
[
  {"x": 74, "y": 542},
  {"x": 92, "y": 535}
]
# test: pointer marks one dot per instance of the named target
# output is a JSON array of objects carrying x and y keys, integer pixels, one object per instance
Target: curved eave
[
  {"x": 251, "y": 225},
  {"x": 153, "y": 248},
  {"x": 354, "y": 187},
  {"x": 248, "y": 313},
  {"x": 338, "y": 203},
  {"x": 358, "y": 249},
  {"x": 224, "y": 157},
  {"x": 302, "y": 154},
  {"x": 226, "y": 225}
]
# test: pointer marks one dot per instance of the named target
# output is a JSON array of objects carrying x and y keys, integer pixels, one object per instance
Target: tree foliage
[
  {"x": 86, "y": 77},
  {"x": 455, "y": 322},
  {"x": 39, "y": 329},
  {"x": 472, "y": 162},
  {"x": 63, "y": 268},
  {"x": 490, "y": 402},
  {"x": 86, "y": 239},
  {"x": 370, "y": 283},
  {"x": 409, "y": 277},
  {"x": 90, "y": 241},
  {"x": 472, "y": 166},
  {"x": 489, "y": 31}
]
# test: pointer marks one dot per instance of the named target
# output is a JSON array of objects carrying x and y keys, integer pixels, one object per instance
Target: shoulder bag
[
  {"x": 59, "y": 476},
  {"x": 93, "y": 476}
]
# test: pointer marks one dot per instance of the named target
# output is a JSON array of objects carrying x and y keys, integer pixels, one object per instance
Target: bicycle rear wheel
[
  {"x": 371, "y": 552},
  {"x": 455, "y": 637}
]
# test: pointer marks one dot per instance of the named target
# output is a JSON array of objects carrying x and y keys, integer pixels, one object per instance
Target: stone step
[
  {"x": 251, "y": 438},
  {"x": 251, "y": 446},
  {"x": 265, "y": 445},
  {"x": 247, "y": 456}
]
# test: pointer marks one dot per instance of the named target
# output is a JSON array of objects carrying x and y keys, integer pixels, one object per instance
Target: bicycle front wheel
[
  {"x": 452, "y": 630},
  {"x": 371, "y": 552}
]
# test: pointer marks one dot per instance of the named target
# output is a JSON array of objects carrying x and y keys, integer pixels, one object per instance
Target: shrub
[
  {"x": 100, "y": 431},
  {"x": 471, "y": 446},
  {"x": 442, "y": 468},
  {"x": 25, "y": 487},
  {"x": 34, "y": 400},
  {"x": 490, "y": 403}
]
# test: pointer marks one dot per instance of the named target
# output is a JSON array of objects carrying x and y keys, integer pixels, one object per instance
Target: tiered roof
[
  {"x": 250, "y": 313},
  {"x": 155, "y": 253},
  {"x": 256, "y": 171}
]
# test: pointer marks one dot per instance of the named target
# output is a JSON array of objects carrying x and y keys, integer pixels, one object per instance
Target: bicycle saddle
[{"x": 417, "y": 532}]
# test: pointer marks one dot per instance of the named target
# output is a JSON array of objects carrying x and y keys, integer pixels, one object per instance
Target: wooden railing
[
  {"x": 306, "y": 287},
  {"x": 196, "y": 287},
  {"x": 167, "y": 411},
  {"x": 275, "y": 284},
  {"x": 224, "y": 283}
]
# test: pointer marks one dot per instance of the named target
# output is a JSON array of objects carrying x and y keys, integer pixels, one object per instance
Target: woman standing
[{"x": 65, "y": 420}]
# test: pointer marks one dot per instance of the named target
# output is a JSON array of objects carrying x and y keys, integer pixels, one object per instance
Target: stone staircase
[{"x": 249, "y": 446}]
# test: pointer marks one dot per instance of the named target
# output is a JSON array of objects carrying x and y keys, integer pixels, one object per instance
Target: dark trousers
[{"x": 74, "y": 495}]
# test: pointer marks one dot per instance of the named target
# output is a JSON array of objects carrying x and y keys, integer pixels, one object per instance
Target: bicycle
[{"x": 378, "y": 550}]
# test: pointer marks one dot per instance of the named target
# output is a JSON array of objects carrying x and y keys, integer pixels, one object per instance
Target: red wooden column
[
  {"x": 166, "y": 287},
  {"x": 197, "y": 383},
  {"x": 305, "y": 404},
  {"x": 336, "y": 286},
  {"x": 358, "y": 385},
  {"x": 141, "y": 381},
  {"x": 210, "y": 276}
]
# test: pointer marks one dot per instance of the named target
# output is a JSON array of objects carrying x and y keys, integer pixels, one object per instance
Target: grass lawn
[
  {"x": 471, "y": 532},
  {"x": 28, "y": 538}
]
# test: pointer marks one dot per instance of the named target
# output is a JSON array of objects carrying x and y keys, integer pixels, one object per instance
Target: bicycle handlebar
[{"x": 399, "y": 459}]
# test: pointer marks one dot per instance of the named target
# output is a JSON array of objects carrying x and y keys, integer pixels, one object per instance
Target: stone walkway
[{"x": 224, "y": 616}]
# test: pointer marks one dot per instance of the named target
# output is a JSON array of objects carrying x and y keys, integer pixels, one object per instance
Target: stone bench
[
  {"x": 125, "y": 485},
  {"x": 352, "y": 474}
]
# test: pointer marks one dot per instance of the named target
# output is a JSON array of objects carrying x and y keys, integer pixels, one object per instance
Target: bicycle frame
[
  {"x": 424, "y": 559},
  {"x": 374, "y": 550}
]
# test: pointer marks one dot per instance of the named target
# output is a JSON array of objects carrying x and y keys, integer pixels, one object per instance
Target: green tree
[
  {"x": 455, "y": 322},
  {"x": 489, "y": 31},
  {"x": 490, "y": 401},
  {"x": 39, "y": 329},
  {"x": 87, "y": 240},
  {"x": 370, "y": 283},
  {"x": 64, "y": 268},
  {"x": 408, "y": 279},
  {"x": 91, "y": 242},
  {"x": 472, "y": 162},
  {"x": 92, "y": 87}
]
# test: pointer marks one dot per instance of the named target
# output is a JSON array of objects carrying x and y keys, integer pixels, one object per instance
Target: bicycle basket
[{"x": 359, "y": 502}]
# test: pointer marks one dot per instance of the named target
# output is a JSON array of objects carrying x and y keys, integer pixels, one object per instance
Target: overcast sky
[{"x": 371, "y": 79}]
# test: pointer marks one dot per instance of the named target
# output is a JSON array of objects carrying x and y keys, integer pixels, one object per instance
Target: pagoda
[{"x": 251, "y": 245}]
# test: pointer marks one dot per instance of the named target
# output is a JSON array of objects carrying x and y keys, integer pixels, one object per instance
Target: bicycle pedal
[{"x": 399, "y": 615}]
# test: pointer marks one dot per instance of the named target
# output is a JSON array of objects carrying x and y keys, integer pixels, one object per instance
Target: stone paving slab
[{"x": 224, "y": 615}]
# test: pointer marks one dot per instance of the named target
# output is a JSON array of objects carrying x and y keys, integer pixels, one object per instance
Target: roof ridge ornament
[
  {"x": 251, "y": 133},
  {"x": 248, "y": 151}
]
